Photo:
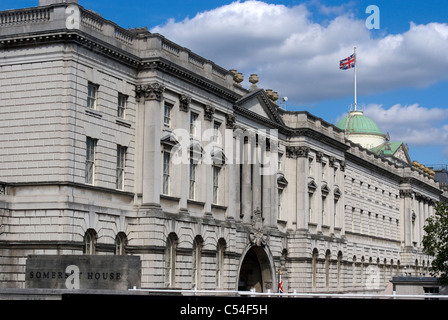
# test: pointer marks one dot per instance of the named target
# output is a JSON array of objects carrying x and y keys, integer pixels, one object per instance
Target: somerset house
[{"x": 119, "y": 143}]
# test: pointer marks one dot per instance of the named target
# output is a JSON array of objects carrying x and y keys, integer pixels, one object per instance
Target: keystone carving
[{"x": 256, "y": 235}]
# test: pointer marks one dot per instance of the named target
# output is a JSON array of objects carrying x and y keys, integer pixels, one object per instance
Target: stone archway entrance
[{"x": 256, "y": 271}]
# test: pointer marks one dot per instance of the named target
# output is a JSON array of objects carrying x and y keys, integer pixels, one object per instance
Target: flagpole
[{"x": 356, "y": 62}]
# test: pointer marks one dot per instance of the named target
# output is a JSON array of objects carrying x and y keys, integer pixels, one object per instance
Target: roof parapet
[{"x": 50, "y": 2}]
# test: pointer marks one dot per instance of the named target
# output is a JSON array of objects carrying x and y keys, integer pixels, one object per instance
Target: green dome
[{"x": 357, "y": 122}]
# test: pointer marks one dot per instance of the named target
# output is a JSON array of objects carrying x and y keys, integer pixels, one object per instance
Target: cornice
[
  {"x": 162, "y": 64},
  {"x": 243, "y": 111},
  {"x": 374, "y": 167},
  {"x": 98, "y": 46},
  {"x": 70, "y": 36}
]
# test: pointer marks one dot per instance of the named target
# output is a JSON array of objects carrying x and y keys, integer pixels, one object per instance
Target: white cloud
[
  {"x": 299, "y": 57},
  {"x": 412, "y": 124}
]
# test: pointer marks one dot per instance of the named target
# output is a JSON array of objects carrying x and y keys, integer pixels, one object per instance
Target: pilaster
[{"x": 150, "y": 97}]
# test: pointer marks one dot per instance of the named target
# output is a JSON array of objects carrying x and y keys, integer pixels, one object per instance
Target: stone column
[
  {"x": 231, "y": 186},
  {"x": 246, "y": 197},
  {"x": 184, "y": 168},
  {"x": 301, "y": 155},
  {"x": 342, "y": 184},
  {"x": 256, "y": 179},
  {"x": 421, "y": 216},
  {"x": 406, "y": 197},
  {"x": 152, "y": 128},
  {"x": 237, "y": 171},
  {"x": 318, "y": 193},
  {"x": 269, "y": 191}
]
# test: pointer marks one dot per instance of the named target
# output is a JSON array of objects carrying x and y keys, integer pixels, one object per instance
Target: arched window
[
  {"x": 121, "y": 241},
  {"x": 339, "y": 268},
  {"x": 354, "y": 270},
  {"x": 170, "y": 260},
  {"x": 314, "y": 266},
  {"x": 220, "y": 249},
  {"x": 391, "y": 268},
  {"x": 196, "y": 267},
  {"x": 361, "y": 280},
  {"x": 89, "y": 242},
  {"x": 416, "y": 268}
]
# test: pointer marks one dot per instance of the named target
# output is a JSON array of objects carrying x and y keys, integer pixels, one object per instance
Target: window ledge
[
  {"x": 217, "y": 206},
  {"x": 94, "y": 113},
  {"x": 200, "y": 203},
  {"x": 171, "y": 198},
  {"x": 123, "y": 122}
]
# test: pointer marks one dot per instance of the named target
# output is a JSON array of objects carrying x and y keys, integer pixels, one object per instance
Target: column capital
[
  {"x": 209, "y": 111},
  {"x": 152, "y": 91},
  {"x": 406, "y": 193},
  {"x": 184, "y": 102},
  {"x": 297, "y": 151}
]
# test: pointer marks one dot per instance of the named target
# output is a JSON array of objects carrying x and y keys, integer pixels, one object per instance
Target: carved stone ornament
[
  {"x": 152, "y": 91},
  {"x": 184, "y": 102},
  {"x": 209, "y": 111},
  {"x": 407, "y": 193},
  {"x": 256, "y": 235},
  {"x": 297, "y": 152},
  {"x": 230, "y": 123}
]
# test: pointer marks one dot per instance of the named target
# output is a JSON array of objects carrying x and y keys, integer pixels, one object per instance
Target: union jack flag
[
  {"x": 280, "y": 285},
  {"x": 348, "y": 62}
]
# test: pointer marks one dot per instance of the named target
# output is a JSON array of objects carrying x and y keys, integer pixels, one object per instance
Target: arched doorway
[{"x": 256, "y": 271}]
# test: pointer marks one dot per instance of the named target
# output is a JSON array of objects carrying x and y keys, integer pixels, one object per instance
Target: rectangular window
[
  {"x": 90, "y": 160},
  {"x": 92, "y": 95},
  {"x": 310, "y": 207},
  {"x": 216, "y": 126},
  {"x": 280, "y": 157},
  {"x": 122, "y": 102},
  {"x": 192, "y": 191},
  {"x": 166, "y": 173},
  {"x": 310, "y": 166},
  {"x": 280, "y": 192},
  {"x": 216, "y": 172},
  {"x": 167, "y": 115},
  {"x": 324, "y": 210},
  {"x": 121, "y": 158},
  {"x": 193, "y": 123},
  {"x": 324, "y": 171}
]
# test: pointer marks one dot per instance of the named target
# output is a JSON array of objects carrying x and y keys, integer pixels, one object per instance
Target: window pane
[
  {"x": 92, "y": 90},
  {"x": 122, "y": 101},
  {"x": 166, "y": 173},
  {"x": 216, "y": 184},
  {"x": 121, "y": 158},
  {"x": 90, "y": 160},
  {"x": 167, "y": 116},
  {"x": 192, "y": 180}
]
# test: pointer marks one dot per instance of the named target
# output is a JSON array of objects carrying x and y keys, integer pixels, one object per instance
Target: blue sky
[{"x": 295, "y": 48}]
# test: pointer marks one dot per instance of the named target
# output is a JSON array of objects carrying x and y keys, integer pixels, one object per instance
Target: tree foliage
[{"x": 435, "y": 241}]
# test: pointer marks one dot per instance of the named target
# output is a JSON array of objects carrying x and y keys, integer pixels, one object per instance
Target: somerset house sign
[{"x": 83, "y": 272}]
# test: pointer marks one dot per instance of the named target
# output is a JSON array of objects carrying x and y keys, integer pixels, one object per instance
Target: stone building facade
[{"x": 121, "y": 142}]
